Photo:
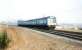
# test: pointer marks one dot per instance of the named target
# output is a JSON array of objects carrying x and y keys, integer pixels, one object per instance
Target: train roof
[
  {"x": 51, "y": 17},
  {"x": 42, "y": 18}
]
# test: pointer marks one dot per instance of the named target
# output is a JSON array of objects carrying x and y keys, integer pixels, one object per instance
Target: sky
[{"x": 65, "y": 11}]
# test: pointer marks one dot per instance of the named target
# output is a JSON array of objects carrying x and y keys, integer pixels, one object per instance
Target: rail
[{"x": 72, "y": 35}]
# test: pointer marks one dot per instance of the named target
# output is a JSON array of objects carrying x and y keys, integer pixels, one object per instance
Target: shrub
[{"x": 3, "y": 40}]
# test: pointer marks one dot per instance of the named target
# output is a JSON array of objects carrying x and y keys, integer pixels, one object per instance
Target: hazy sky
[{"x": 66, "y": 11}]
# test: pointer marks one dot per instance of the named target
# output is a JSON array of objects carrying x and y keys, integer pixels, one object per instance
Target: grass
[{"x": 3, "y": 40}]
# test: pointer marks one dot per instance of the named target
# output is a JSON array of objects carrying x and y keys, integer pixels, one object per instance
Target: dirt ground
[{"x": 25, "y": 39}]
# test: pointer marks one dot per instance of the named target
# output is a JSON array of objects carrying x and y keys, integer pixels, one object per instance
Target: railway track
[
  {"x": 69, "y": 35},
  {"x": 72, "y": 35}
]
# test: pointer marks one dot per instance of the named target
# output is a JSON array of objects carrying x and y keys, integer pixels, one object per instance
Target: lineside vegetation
[{"x": 4, "y": 40}]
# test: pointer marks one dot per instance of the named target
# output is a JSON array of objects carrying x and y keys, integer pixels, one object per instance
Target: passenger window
[{"x": 54, "y": 20}]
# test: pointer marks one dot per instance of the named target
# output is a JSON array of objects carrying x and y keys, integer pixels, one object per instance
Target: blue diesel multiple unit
[{"x": 45, "y": 22}]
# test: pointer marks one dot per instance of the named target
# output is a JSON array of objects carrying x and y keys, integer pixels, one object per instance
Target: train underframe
[{"x": 51, "y": 27}]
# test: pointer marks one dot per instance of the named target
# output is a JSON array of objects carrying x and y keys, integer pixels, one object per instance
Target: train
[{"x": 48, "y": 22}]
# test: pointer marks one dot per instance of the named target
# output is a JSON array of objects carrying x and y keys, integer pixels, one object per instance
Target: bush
[{"x": 3, "y": 40}]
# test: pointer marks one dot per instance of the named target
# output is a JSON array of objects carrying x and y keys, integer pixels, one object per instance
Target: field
[
  {"x": 25, "y": 39},
  {"x": 69, "y": 29}
]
